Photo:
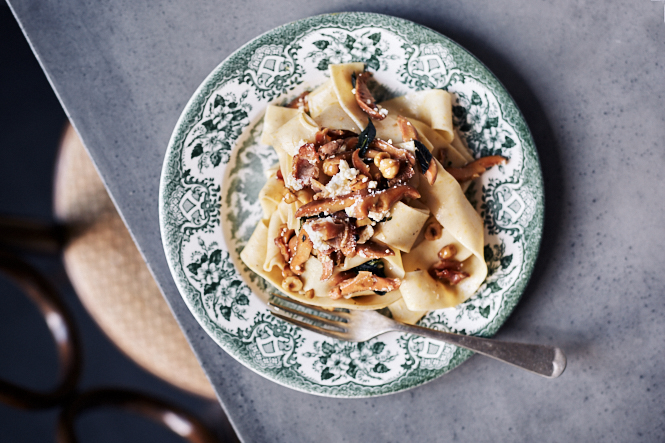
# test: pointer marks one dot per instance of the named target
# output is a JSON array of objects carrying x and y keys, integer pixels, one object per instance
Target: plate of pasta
[{"x": 351, "y": 161}]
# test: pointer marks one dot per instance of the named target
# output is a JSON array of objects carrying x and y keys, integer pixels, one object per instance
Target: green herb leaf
[
  {"x": 423, "y": 156},
  {"x": 375, "y": 266},
  {"x": 366, "y": 137}
]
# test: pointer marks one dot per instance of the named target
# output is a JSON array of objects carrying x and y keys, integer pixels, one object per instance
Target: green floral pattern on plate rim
[{"x": 213, "y": 172}]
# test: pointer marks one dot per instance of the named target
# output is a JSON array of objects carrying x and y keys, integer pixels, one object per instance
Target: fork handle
[{"x": 548, "y": 361}]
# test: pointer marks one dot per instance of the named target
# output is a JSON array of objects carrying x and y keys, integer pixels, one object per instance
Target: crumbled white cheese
[
  {"x": 365, "y": 235},
  {"x": 291, "y": 182},
  {"x": 351, "y": 210},
  {"x": 378, "y": 216},
  {"x": 353, "y": 91},
  {"x": 372, "y": 185},
  {"x": 317, "y": 237},
  {"x": 383, "y": 111},
  {"x": 340, "y": 183}
]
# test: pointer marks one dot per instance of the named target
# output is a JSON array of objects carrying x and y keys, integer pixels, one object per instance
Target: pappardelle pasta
[{"x": 366, "y": 208}]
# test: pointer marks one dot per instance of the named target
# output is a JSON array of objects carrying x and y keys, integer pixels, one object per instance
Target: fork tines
[{"x": 313, "y": 318}]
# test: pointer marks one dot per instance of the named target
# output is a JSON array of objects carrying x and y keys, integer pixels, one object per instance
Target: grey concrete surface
[{"x": 589, "y": 77}]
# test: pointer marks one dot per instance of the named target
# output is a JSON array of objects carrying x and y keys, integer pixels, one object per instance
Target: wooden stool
[{"x": 111, "y": 277}]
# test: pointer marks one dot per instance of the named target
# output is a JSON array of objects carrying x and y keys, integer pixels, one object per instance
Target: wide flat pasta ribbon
[{"x": 454, "y": 212}]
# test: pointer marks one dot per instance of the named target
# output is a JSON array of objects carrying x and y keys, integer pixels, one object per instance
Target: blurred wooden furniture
[{"x": 111, "y": 277}]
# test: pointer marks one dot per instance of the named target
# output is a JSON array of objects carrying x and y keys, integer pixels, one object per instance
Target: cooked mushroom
[
  {"x": 345, "y": 242},
  {"x": 282, "y": 241},
  {"x": 326, "y": 135},
  {"x": 431, "y": 173},
  {"x": 365, "y": 99},
  {"x": 408, "y": 131},
  {"x": 476, "y": 168},
  {"x": 327, "y": 264},
  {"x": 380, "y": 201},
  {"x": 303, "y": 249},
  {"x": 359, "y": 164},
  {"x": 360, "y": 203},
  {"x": 306, "y": 164},
  {"x": 394, "y": 151},
  {"x": 300, "y": 102},
  {"x": 449, "y": 271},
  {"x": 326, "y": 228},
  {"x": 330, "y": 205},
  {"x": 371, "y": 249},
  {"x": 364, "y": 281},
  {"x": 427, "y": 164}
]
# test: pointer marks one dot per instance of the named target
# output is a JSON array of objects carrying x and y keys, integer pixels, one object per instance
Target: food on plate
[{"x": 366, "y": 208}]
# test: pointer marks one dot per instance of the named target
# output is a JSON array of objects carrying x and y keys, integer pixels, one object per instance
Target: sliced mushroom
[
  {"x": 373, "y": 250},
  {"x": 303, "y": 249},
  {"x": 380, "y": 201},
  {"x": 300, "y": 102},
  {"x": 306, "y": 164},
  {"x": 346, "y": 241},
  {"x": 326, "y": 135},
  {"x": 327, "y": 264},
  {"x": 476, "y": 168},
  {"x": 364, "y": 281},
  {"x": 359, "y": 164},
  {"x": 365, "y": 99},
  {"x": 332, "y": 147},
  {"x": 394, "y": 151},
  {"x": 282, "y": 241},
  {"x": 360, "y": 203},
  {"x": 340, "y": 277},
  {"x": 330, "y": 205},
  {"x": 432, "y": 172},
  {"x": 327, "y": 229},
  {"x": 408, "y": 131},
  {"x": 449, "y": 271}
]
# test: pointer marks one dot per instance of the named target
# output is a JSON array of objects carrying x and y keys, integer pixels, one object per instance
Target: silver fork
[{"x": 357, "y": 326}]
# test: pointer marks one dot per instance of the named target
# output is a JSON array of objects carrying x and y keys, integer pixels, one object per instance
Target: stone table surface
[{"x": 589, "y": 77}]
